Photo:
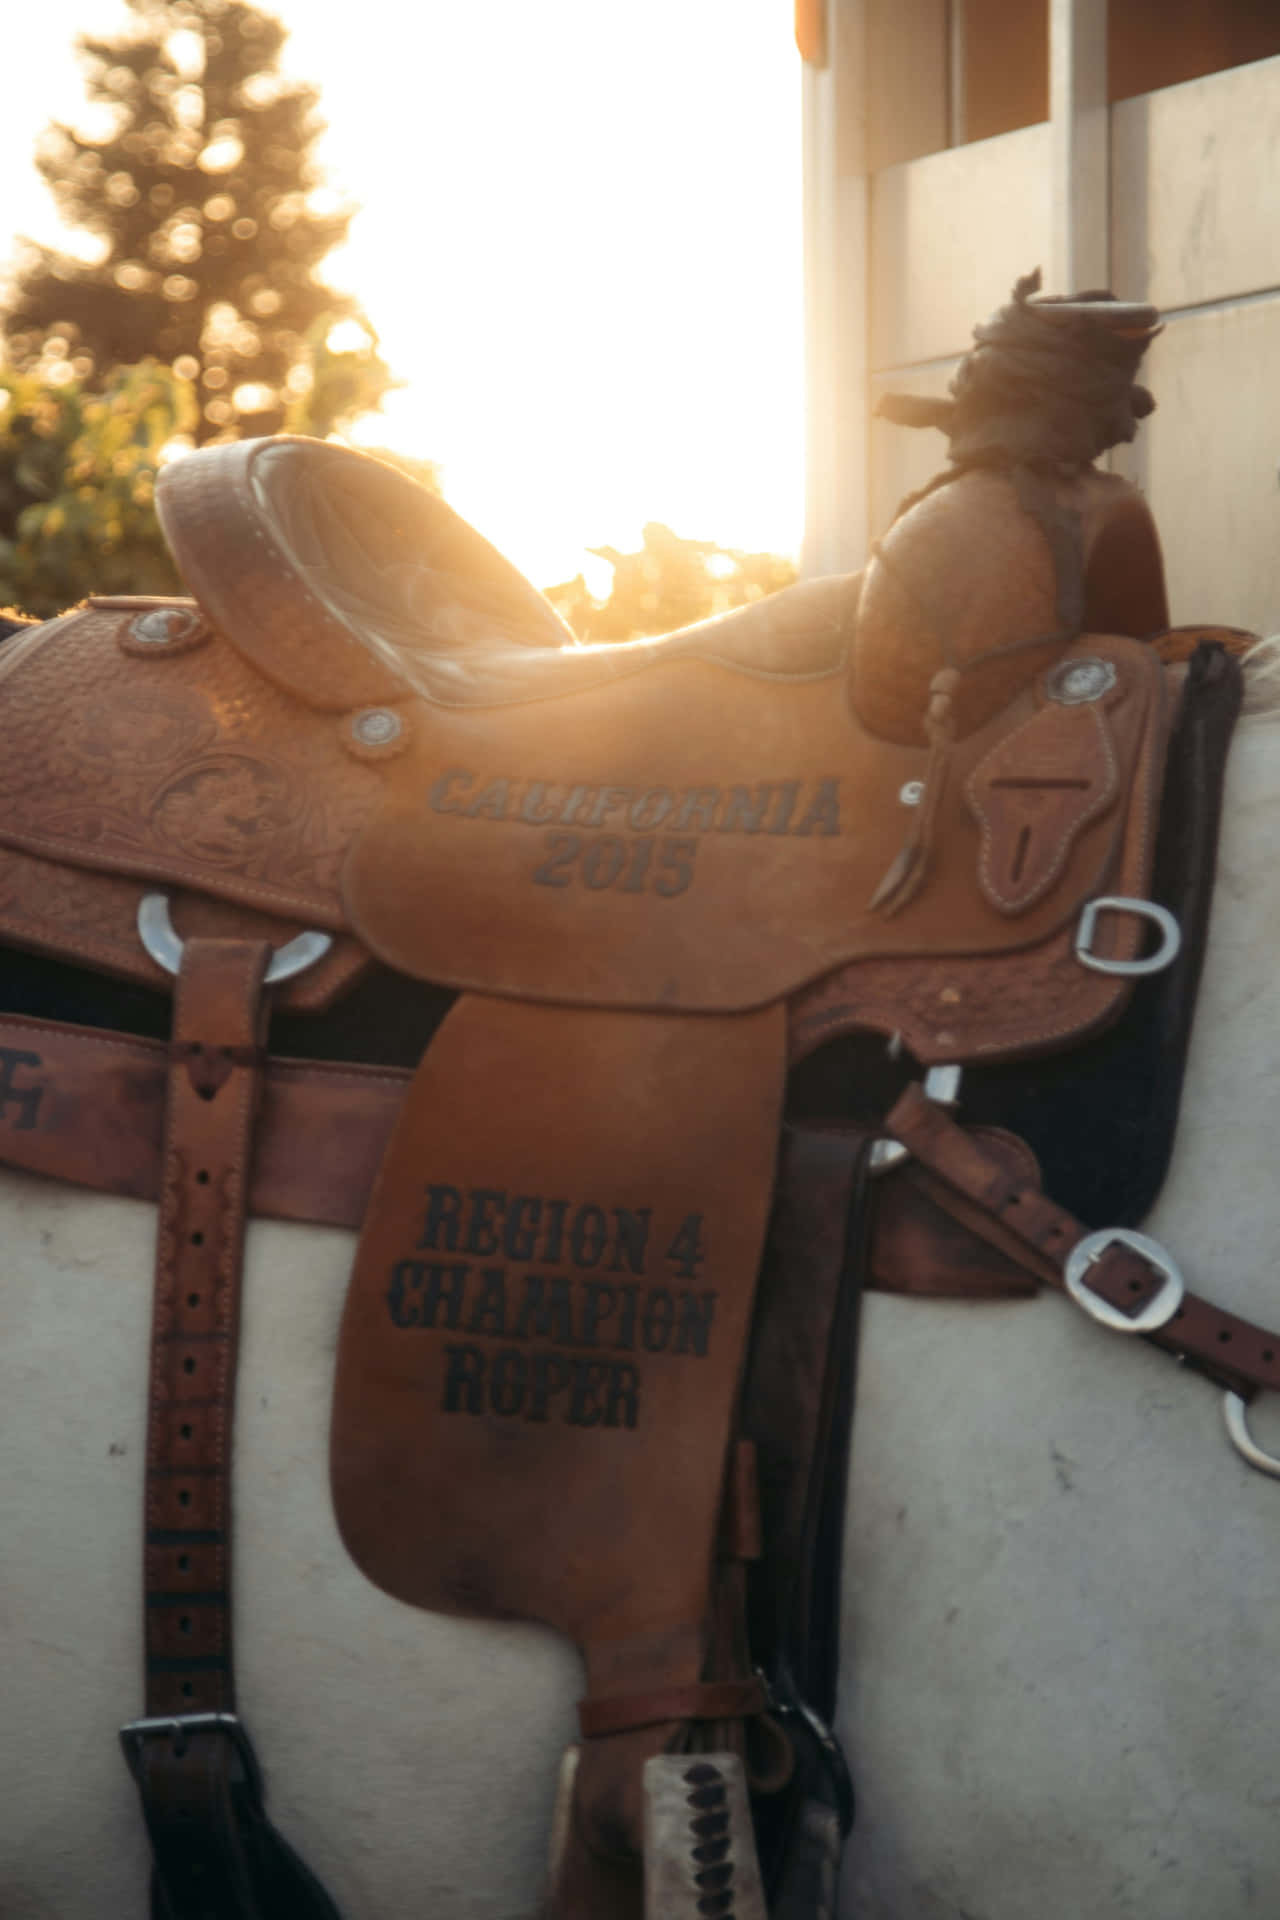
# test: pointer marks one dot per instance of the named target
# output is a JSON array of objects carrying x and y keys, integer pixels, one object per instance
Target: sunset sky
[{"x": 580, "y": 243}]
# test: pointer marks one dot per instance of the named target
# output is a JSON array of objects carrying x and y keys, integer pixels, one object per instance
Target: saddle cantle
[{"x": 652, "y": 872}]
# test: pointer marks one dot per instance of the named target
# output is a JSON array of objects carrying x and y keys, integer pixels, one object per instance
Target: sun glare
[{"x": 579, "y": 244}]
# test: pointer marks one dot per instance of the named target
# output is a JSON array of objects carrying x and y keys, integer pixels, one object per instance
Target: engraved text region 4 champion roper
[
  {"x": 545, "y": 1329},
  {"x": 536, "y": 1338}
]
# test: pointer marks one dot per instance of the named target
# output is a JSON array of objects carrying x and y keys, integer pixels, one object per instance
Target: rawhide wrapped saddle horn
[
  {"x": 1019, "y": 546},
  {"x": 1014, "y": 549}
]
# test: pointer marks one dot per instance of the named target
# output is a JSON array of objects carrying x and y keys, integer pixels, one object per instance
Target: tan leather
[
  {"x": 1034, "y": 794},
  {"x": 91, "y": 919},
  {"x": 214, "y": 1073},
  {"x": 1177, "y": 644},
  {"x": 544, "y": 1336},
  {"x": 996, "y": 1005},
  {"x": 346, "y": 584},
  {"x": 88, "y": 1107},
  {"x": 603, "y": 854},
  {"x": 181, "y": 766},
  {"x": 196, "y": 773},
  {"x": 698, "y": 1700},
  {"x": 919, "y": 1248},
  {"x": 284, "y": 541},
  {"x": 966, "y": 572},
  {"x": 85, "y": 1106}
]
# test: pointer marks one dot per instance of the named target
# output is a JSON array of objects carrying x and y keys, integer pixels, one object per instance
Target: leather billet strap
[
  {"x": 88, "y": 1107},
  {"x": 1018, "y": 1217},
  {"x": 697, "y": 1700},
  {"x": 215, "y": 1855}
]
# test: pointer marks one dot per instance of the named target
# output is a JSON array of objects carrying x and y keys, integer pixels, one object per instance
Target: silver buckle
[
  {"x": 1158, "y": 1311},
  {"x": 941, "y": 1084},
  {"x": 177, "y": 1726},
  {"x": 155, "y": 930},
  {"x": 1170, "y": 935},
  {"x": 1234, "y": 1412}
]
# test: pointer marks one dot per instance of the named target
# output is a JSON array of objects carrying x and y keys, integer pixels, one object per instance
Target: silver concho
[
  {"x": 376, "y": 727},
  {"x": 161, "y": 626},
  {"x": 911, "y": 793},
  {"x": 1074, "y": 683}
]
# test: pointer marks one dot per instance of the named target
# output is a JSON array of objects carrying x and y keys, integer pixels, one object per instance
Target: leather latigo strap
[
  {"x": 216, "y": 1856},
  {"x": 214, "y": 1076},
  {"x": 1015, "y": 1215},
  {"x": 89, "y": 1107},
  {"x": 697, "y": 1700}
]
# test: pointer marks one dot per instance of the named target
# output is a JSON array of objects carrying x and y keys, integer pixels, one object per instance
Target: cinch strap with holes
[{"x": 216, "y": 1856}]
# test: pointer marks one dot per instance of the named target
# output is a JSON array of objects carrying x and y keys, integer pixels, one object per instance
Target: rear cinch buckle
[
  {"x": 178, "y": 1729},
  {"x": 1158, "y": 1311},
  {"x": 1165, "y": 954}
]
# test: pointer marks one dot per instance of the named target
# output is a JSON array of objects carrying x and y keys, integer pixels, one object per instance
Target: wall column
[
  {"x": 836, "y": 220},
  {"x": 1080, "y": 162}
]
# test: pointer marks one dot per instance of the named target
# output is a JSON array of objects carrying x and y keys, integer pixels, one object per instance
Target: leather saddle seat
[{"x": 344, "y": 582}]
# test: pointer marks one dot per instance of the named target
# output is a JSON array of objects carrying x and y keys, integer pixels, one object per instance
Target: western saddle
[{"x": 920, "y": 802}]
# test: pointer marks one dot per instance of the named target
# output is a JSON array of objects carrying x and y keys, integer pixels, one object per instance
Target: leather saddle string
[{"x": 215, "y": 1854}]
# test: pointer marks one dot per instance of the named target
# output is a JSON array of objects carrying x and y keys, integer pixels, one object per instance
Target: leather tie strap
[
  {"x": 1021, "y": 1220},
  {"x": 701, "y": 1700},
  {"x": 216, "y": 1857}
]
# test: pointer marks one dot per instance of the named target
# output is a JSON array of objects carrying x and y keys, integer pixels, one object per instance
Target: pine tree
[{"x": 195, "y": 173}]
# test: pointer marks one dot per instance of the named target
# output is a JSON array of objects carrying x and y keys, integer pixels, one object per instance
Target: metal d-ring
[
  {"x": 1165, "y": 954},
  {"x": 1158, "y": 1311},
  {"x": 1234, "y": 1413},
  {"x": 155, "y": 930}
]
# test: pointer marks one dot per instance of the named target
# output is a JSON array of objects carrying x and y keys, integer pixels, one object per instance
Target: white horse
[{"x": 1061, "y": 1669}]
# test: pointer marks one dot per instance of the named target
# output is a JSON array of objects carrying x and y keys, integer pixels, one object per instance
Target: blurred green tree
[
  {"x": 192, "y": 180},
  {"x": 78, "y": 470},
  {"x": 670, "y": 582},
  {"x": 77, "y": 481}
]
